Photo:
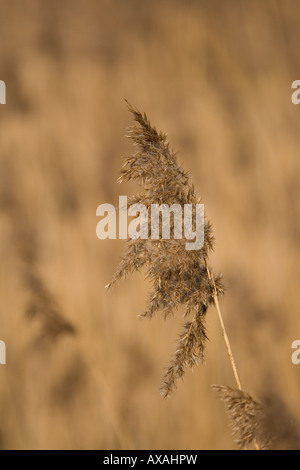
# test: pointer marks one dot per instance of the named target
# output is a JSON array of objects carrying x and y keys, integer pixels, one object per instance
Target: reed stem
[{"x": 226, "y": 339}]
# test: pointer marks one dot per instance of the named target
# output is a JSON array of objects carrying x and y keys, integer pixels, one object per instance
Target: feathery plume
[
  {"x": 43, "y": 306},
  {"x": 267, "y": 424},
  {"x": 246, "y": 415},
  {"x": 179, "y": 276}
]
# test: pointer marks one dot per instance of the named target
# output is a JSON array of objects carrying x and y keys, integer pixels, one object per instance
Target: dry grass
[
  {"x": 182, "y": 277},
  {"x": 178, "y": 276},
  {"x": 218, "y": 78},
  {"x": 246, "y": 415}
]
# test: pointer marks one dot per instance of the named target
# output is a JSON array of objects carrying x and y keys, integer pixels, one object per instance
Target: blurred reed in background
[{"x": 82, "y": 371}]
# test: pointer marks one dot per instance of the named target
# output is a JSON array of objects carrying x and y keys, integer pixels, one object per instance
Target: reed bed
[
  {"x": 182, "y": 277},
  {"x": 82, "y": 372}
]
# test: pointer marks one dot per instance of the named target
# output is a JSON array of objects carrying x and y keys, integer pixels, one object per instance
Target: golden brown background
[{"x": 82, "y": 370}]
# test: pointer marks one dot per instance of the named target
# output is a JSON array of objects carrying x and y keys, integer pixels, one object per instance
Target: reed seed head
[
  {"x": 178, "y": 276},
  {"x": 246, "y": 416}
]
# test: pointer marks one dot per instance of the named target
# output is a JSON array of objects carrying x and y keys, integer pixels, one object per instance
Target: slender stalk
[
  {"x": 226, "y": 339},
  {"x": 227, "y": 343}
]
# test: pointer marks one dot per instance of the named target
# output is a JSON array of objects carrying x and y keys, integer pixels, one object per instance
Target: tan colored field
[{"x": 82, "y": 370}]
